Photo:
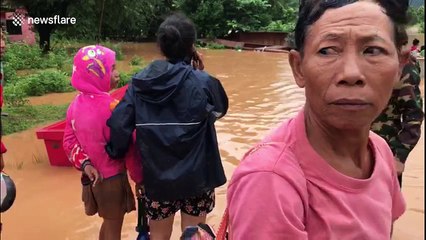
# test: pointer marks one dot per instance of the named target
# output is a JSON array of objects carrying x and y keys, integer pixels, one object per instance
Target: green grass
[{"x": 25, "y": 117}]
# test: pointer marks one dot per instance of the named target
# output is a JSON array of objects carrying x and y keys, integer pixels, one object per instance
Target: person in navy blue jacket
[{"x": 173, "y": 104}]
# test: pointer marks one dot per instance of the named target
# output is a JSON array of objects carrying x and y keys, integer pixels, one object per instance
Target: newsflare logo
[{"x": 18, "y": 20}]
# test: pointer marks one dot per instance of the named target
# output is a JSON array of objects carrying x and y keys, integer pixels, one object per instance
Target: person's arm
[
  {"x": 76, "y": 153},
  {"x": 217, "y": 97},
  {"x": 134, "y": 163},
  {"x": 264, "y": 205},
  {"x": 72, "y": 147},
  {"x": 412, "y": 118},
  {"x": 121, "y": 124}
]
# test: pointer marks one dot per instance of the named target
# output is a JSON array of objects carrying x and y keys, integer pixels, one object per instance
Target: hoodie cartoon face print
[{"x": 92, "y": 69}]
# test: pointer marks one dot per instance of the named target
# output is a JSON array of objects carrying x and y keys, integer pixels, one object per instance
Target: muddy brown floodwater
[{"x": 261, "y": 92}]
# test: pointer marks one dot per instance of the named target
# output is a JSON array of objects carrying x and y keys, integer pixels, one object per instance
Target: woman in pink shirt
[{"x": 323, "y": 175}]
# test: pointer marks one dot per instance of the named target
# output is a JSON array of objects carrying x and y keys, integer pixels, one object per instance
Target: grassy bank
[{"x": 26, "y": 116}]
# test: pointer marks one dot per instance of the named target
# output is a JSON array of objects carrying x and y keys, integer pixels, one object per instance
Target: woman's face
[
  {"x": 115, "y": 77},
  {"x": 349, "y": 66}
]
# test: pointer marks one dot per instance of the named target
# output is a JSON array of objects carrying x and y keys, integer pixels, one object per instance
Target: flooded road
[{"x": 261, "y": 93}]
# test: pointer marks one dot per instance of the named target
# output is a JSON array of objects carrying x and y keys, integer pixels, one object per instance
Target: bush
[
  {"x": 67, "y": 66},
  {"x": 58, "y": 56},
  {"x": 126, "y": 77},
  {"x": 23, "y": 56},
  {"x": 14, "y": 96},
  {"x": 136, "y": 60},
  {"x": 279, "y": 26},
  {"x": 31, "y": 85},
  {"x": 116, "y": 47},
  {"x": 213, "y": 45},
  {"x": 9, "y": 72},
  {"x": 46, "y": 81},
  {"x": 55, "y": 81}
]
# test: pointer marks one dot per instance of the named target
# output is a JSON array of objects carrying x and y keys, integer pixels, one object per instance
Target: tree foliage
[
  {"x": 219, "y": 17},
  {"x": 417, "y": 15},
  {"x": 207, "y": 15},
  {"x": 135, "y": 20}
]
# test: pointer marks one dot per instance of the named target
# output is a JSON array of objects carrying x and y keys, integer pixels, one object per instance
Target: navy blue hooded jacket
[{"x": 173, "y": 108}]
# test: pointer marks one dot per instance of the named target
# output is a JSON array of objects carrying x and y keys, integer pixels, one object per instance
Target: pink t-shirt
[{"x": 284, "y": 190}]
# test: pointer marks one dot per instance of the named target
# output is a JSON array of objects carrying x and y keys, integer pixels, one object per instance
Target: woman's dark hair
[
  {"x": 311, "y": 10},
  {"x": 422, "y": 48},
  {"x": 416, "y": 42},
  {"x": 176, "y": 36}
]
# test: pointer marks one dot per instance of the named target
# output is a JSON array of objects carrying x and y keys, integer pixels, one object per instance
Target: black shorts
[{"x": 196, "y": 206}]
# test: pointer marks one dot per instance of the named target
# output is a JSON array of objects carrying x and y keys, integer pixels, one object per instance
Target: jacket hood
[
  {"x": 158, "y": 82},
  {"x": 92, "y": 69}
]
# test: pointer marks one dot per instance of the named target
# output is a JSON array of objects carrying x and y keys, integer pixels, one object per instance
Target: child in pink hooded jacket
[{"x": 106, "y": 189}]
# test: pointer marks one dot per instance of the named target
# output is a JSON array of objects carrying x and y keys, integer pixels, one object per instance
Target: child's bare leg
[
  {"x": 111, "y": 229},
  {"x": 161, "y": 229},
  {"x": 188, "y": 220}
]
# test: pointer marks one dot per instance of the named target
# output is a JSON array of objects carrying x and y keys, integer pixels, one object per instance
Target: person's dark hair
[
  {"x": 311, "y": 10},
  {"x": 176, "y": 36},
  {"x": 422, "y": 48},
  {"x": 402, "y": 37},
  {"x": 416, "y": 42}
]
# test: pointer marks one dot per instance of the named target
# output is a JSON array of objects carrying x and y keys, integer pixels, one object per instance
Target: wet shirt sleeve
[
  {"x": 121, "y": 124},
  {"x": 217, "y": 97}
]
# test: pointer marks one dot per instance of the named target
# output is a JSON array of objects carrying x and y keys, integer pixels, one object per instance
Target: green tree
[
  {"x": 417, "y": 16},
  {"x": 248, "y": 15},
  {"x": 121, "y": 19},
  {"x": 207, "y": 15},
  {"x": 284, "y": 15},
  {"x": 135, "y": 20},
  {"x": 216, "y": 18}
]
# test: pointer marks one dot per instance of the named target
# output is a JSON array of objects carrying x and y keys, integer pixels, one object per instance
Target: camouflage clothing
[
  {"x": 415, "y": 80},
  {"x": 400, "y": 123}
]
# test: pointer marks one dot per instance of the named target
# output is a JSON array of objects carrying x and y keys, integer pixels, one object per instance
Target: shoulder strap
[{"x": 223, "y": 227}]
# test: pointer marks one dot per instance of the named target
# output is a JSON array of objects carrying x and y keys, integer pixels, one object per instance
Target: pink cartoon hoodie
[{"x": 86, "y": 132}]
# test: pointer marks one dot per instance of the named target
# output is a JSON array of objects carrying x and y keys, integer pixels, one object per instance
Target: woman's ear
[{"x": 295, "y": 59}]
